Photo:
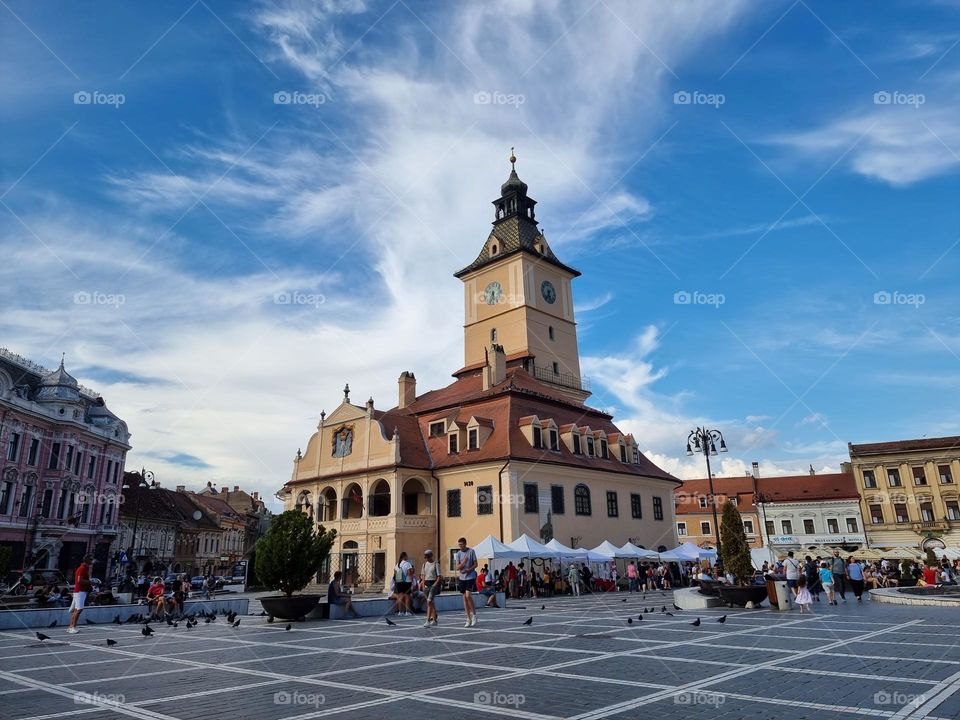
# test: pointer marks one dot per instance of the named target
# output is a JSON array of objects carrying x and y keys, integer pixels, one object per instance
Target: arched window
[
  {"x": 351, "y": 505},
  {"x": 380, "y": 499},
  {"x": 416, "y": 499},
  {"x": 328, "y": 507},
  {"x": 493, "y": 249},
  {"x": 581, "y": 500}
]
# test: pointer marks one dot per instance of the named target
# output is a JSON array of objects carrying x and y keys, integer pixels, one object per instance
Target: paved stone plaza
[{"x": 579, "y": 659}]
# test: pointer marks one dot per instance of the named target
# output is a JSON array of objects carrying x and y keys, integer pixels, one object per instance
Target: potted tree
[
  {"x": 288, "y": 557},
  {"x": 737, "y": 562}
]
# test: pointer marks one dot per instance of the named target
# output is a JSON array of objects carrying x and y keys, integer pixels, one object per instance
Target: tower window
[
  {"x": 550, "y": 332},
  {"x": 493, "y": 249},
  {"x": 493, "y": 335}
]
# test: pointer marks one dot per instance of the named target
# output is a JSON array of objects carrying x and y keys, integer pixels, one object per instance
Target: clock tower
[{"x": 518, "y": 295}]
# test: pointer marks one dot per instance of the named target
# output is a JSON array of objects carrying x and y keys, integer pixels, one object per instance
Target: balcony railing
[{"x": 577, "y": 382}]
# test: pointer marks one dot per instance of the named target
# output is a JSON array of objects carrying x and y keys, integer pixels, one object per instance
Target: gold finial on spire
[{"x": 513, "y": 160}]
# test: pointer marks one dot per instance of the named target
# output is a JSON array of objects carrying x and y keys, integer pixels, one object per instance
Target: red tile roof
[
  {"x": 518, "y": 396},
  {"x": 800, "y": 488}
]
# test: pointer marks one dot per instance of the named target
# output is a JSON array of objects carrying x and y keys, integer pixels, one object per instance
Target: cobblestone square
[{"x": 578, "y": 659}]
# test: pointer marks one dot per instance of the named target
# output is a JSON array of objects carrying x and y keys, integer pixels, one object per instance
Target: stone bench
[
  {"x": 692, "y": 599},
  {"x": 104, "y": 614},
  {"x": 379, "y": 606}
]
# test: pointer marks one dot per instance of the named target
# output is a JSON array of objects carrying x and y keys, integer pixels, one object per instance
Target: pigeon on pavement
[
  {"x": 41, "y": 637},
  {"x": 389, "y": 621},
  {"x": 722, "y": 619},
  {"x": 629, "y": 621},
  {"x": 289, "y": 627},
  {"x": 696, "y": 623},
  {"x": 146, "y": 631},
  {"x": 53, "y": 624},
  {"x": 111, "y": 643},
  {"x": 528, "y": 621},
  {"x": 543, "y": 607},
  {"x": 236, "y": 623}
]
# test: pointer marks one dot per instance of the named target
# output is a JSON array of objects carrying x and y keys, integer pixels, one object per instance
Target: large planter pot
[
  {"x": 289, "y": 608},
  {"x": 740, "y": 595}
]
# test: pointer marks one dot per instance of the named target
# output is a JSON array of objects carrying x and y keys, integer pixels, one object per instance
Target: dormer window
[
  {"x": 576, "y": 444},
  {"x": 493, "y": 249},
  {"x": 554, "y": 440},
  {"x": 454, "y": 445},
  {"x": 473, "y": 439},
  {"x": 537, "y": 436},
  {"x": 590, "y": 447},
  {"x": 603, "y": 449},
  {"x": 623, "y": 453},
  {"x": 437, "y": 428}
]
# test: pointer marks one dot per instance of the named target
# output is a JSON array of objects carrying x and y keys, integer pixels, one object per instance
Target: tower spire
[{"x": 513, "y": 160}]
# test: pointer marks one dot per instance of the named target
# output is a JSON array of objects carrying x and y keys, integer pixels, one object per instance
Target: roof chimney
[
  {"x": 755, "y": 467},
  {"x": 846, "y": 467},
  {"x": 236, "y": 488},
  {"x": 181, "y": 488},
  {"x": 408, "y": 389},
  {"x": 812, "y": 471},
  {"x": 495, "y": 371}
]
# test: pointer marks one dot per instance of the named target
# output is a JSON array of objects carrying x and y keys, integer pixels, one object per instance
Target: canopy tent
[
  {"x": 529, "y": 547},
  {"x": 609, "y": 551},
  {"x": 567, "y": 553},
  {"x": 492, "y": 549},
  {"x": 593, "y": 557},
  {"x": 759, "y": 556},
  {"x": 688, "y": 552},
  {"x": 950, "y": 553},
  {"x": 635, "y": 551}
]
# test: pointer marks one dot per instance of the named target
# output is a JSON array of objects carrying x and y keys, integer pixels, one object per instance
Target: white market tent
[
  {"x": 688, "y": 552},
  {"x": 635, "y": 551},
  {"x": 609, "y": 551},
  {"x": 567, "y": 553},
  {"x": 492, "y": 549},
  {"x": 530, "y": 548},
  {"x": 593, "y": 557}
]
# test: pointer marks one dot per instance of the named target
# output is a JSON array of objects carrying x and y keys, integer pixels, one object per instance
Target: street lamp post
[
  {"x": 145, "y": 481},
  {"x": 705, "y": 441},
  {"x": 761, "y": 500}
]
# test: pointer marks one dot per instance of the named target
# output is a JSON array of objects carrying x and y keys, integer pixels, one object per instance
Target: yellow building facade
[
  {"x": 508, "y": 448},
  {"x": 908, "y": 491}
]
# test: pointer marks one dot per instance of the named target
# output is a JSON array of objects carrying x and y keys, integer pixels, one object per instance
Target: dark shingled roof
[{"x": 516, "y": 234}]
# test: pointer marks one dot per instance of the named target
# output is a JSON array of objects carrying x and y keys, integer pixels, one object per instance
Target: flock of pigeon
[{"x": 192, "y": 621}]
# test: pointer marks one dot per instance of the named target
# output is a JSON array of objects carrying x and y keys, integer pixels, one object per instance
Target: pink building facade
[{"x": 61, "y": 468}]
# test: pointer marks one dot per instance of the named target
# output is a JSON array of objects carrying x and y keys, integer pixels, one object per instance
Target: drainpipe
[{"x": 500, "y": 496}]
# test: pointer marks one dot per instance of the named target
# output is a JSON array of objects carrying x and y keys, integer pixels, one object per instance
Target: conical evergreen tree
[{"x": 736, "y": 551}]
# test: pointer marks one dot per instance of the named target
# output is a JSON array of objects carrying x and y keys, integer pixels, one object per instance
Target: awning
[
  {"x": 610, "y": 551},
  {"x": 688, "y": 552},
  {"x": 567, "y": 553},
  {"x": 635, "y": 551},
  {"x": 492, "y": 549}
]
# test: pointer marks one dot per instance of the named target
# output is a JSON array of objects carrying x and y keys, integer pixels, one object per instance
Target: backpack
[{"x": 398, "y": 574}]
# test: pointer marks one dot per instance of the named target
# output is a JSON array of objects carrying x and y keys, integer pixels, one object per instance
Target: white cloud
[{"x": 390, "y": 206}]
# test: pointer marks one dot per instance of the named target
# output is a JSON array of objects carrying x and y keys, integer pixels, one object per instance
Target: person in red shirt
[
  {"x": 929, "y": 575},
  {"x": 482, "y": 578},
  {"x": 81, "y": 586},
  {"x": 155, "y": 597}
]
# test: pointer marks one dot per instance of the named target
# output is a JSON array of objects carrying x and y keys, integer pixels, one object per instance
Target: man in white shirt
[
  {"x": 791, "y": 567},
  {"x": 403, "y": 577}
]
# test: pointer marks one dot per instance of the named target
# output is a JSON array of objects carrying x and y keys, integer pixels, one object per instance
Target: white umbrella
[
  {"x": 531, "y": 548},
  {"x": 567, "y": 553},
  {"x": 609, "y": 551},
  {"x": 635, "y": 551},
  {"x": 492, "y": 549}
]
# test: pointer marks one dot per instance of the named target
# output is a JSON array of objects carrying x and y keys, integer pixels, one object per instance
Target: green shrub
[
  {"x": 291, "y": 552},
  {"x": 736, "y": 550}
]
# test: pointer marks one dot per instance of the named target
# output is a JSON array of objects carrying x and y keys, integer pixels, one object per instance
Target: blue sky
[{"x": 761, "y": 197}]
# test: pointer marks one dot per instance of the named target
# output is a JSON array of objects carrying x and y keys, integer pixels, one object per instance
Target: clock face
[
  {"x": 493, "y": 293},
  {"x": 548, "y": 291}
]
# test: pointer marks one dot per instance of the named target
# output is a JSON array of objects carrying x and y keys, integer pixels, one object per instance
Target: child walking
[
  {"x": 804, "y": 599},
  {"x": 826, "y": 579}
]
